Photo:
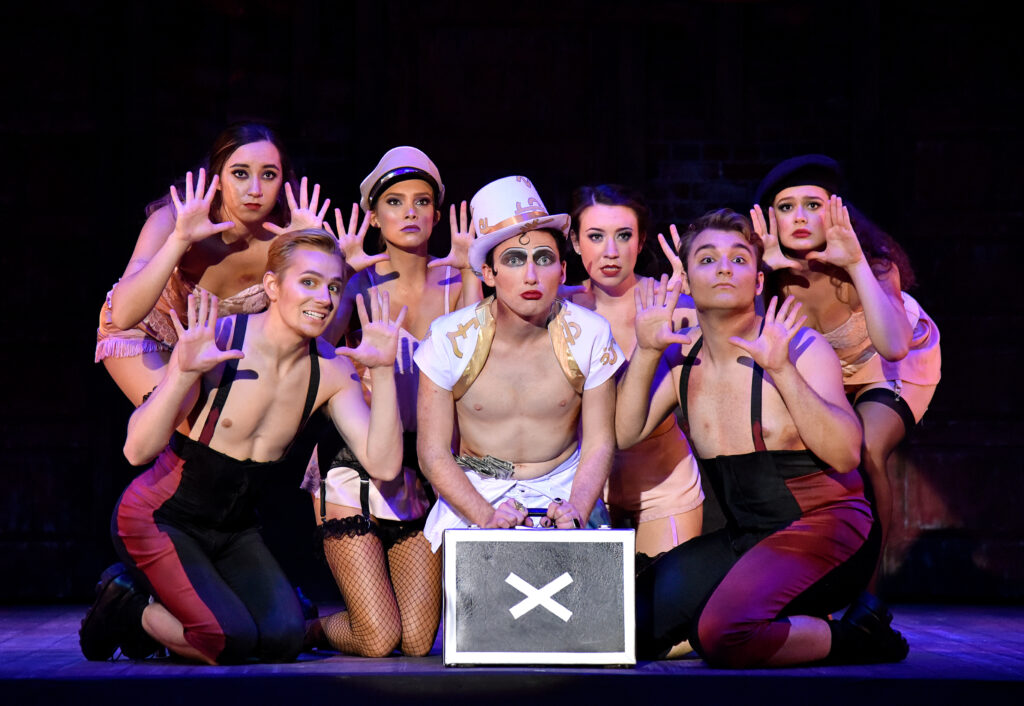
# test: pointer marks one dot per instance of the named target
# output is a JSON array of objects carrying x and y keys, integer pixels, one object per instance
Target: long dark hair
[
  {"x": 229, "y": 140},
  {"x": 881, "y": 250}
]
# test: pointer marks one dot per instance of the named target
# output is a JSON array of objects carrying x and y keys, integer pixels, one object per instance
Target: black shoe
[
  {"x": 865, "y": 634},
  {"x": 869, "y": 613},
  {"x": 115, "y": 619}
]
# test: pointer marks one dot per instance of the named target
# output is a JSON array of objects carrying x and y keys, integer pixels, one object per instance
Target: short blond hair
[{"x": 279, "y": 257}]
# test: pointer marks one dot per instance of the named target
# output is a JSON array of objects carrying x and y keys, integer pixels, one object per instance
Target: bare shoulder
[
  {"x": 888, "y": 276},
  {"x": 155, "y": 231},
  {"x": 336, "y": 371},
  {"x": 675, "y": 355},
  {"x": 809, "y": 349},
  {"x": 677, "y": 352},
  {"x": 163, "y": 219}
]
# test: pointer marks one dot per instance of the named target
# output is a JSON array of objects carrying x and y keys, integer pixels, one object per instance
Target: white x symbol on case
[{"x": 539, "y": 596}]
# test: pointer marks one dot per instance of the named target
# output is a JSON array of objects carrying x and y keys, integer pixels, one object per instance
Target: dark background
[{"x": 106, "y": 104}]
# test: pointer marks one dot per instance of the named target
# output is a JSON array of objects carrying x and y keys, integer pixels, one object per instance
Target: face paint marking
[{"x": 517, "y": 257}]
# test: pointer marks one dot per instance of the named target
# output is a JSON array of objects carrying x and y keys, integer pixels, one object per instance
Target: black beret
[{"x": 812, "y": 169}]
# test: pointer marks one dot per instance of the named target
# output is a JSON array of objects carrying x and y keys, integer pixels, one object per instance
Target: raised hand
[
  {"x": 773, "y": 256},
  {"x": 770, "y": 349},
  {"x": 673, "y": 255},
  {"x": 655, "y": 305},
  {"x": 380, "y": 334},
  {"x": 192, "y": 216},
  {"x": 463, "y": 234},
  {"x": 842, "y": 248},
  {"x": 350, "y": 240},
  {"x": 303, "y": 213},
  {"x": 197, "y": 350}
]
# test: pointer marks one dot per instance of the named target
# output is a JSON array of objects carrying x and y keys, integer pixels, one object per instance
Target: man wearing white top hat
[{"x": 526, "y": 378}]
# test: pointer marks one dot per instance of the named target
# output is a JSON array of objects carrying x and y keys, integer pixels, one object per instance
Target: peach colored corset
[
  {"x": 156, "y": 332},
  {"x": 657, "y": 477},
  {"x": 862, "y": 365}
]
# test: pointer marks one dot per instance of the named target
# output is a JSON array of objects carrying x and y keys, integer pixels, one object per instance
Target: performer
[
  {"x": 527, "y": 379},
  {"x": 186, "y": 527},
  {"x": 654, "y": 486},
  {"x": 213, "y": 237},
  {"x": 372, "y": 529},
  {"x": 852, "y": 279},
  {"x": 766, "y": 414}
]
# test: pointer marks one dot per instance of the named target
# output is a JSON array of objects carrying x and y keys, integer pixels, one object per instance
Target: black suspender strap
[
  {"x": 684, "y": 383},
  {"x": 323, "y": 498},
  {"x": 314, "y": 382},
  {"x": 757, "y": 382},
  {"x": 228, "y": 377},
  {"x": 756, "y": 386},
  {"x": 364, "y": 493}
]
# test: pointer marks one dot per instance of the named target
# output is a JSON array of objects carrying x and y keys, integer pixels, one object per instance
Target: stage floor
[{"x": 968, "y": 655}]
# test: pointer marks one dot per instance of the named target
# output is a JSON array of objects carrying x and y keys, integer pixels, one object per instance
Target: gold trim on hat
[{"x": 521, "y": 215}]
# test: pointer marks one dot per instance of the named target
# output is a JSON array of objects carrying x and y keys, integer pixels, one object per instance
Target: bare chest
[
  {"x": 226, "y": 270},
  {"x": 721, "y": 417},
  {"x": 262, "y": 413},
  {"x": 521, "y": 382},
  {"x": 826, "y": 302},
  {"x": 424, "y": 304}
]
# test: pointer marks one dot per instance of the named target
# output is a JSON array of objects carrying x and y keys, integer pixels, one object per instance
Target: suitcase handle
[{"x": 542, "y": 512}]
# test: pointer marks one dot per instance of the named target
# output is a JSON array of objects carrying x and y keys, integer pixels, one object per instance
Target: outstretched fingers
[
  {"x": 383, "y": 313},
  {"x": 453, "y": 224},
  {"x": 463, "y": 233},
  {"x": 791, "y": 317},
  {"x": 204, "y": 310},
  {"x": 670, "y": 254},
  {"x": 676, "y": 240},
  {"x": 364, "y": 319},
  {"x": 353, "y": 221},
  {"x": 175, "y": 200},
  {"x": 745, "y": 345},
  {"x": 758, "y": 221},
  {"x": 212, "y": 191},
  {"x": 769, "y": 314}
]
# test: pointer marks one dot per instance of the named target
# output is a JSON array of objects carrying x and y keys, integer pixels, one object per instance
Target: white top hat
[
  {"x": 399, "y": 164},
  {"x": 504, "y": 209}
]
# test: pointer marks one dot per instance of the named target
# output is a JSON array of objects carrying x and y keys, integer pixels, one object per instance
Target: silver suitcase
[{"x": 539, "y": 596}]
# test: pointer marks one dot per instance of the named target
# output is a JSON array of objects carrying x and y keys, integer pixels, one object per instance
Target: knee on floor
[
  {"x": 280, "y": 638},
  {"x": 231, "y": 645},
  {"x": 733, "y": 644}
]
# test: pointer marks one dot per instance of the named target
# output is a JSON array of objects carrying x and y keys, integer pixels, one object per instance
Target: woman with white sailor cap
[{"x": 372, "y": 530}]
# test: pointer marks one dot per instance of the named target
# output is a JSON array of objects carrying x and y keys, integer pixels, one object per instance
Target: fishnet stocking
[
  {"x": 416, "y": 576},
  {"x": 370, "y": 626}
]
